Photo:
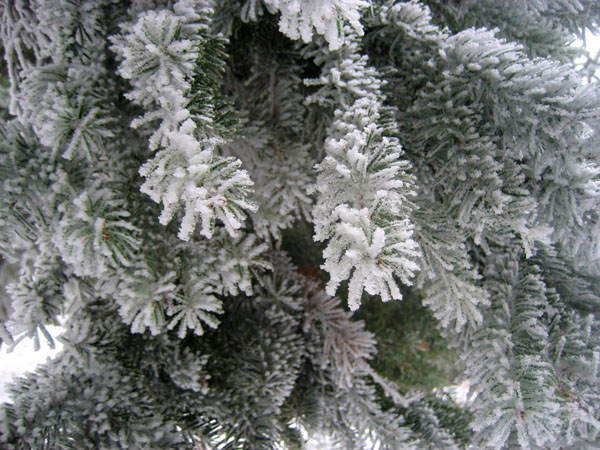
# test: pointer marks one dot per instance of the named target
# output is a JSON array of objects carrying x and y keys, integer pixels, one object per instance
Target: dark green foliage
[{"x": 410, "y": 349}]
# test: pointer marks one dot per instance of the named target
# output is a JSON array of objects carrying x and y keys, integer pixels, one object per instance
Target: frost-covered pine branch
[
  {"x": 519, "y": 401},
  {"x": 347, "y": 346},
  {"x": 450, "y": 284},
  {"x": 364, "y": 187},
  {"x": 159, "y": 53},
  {"x": 300, "y": 19},
  {"x": 443, "y": 152}
]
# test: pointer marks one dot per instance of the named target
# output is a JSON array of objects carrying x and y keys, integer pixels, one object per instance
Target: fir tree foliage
[
  {"x": 304, "y": 158},
  {"x": 300, "y": 19},
  {"x": 364, "y": 189},
  {"x": 518, "y": 404},
  {"x": 159, "y": 53}
]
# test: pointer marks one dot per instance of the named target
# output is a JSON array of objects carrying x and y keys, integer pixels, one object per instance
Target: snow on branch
[
  {"x": 364, "y": 188},
  {"x": 159, "y": 55},
  {"x": 300, "y": 19}
]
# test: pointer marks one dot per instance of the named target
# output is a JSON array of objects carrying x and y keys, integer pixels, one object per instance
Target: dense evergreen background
[{"x": 214, "y": 198}]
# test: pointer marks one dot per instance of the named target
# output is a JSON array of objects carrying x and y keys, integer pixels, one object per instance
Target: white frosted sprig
[
  {"x": 195, "y": 306},
  {"x": 74, "y": 127},
  {"x": 159, "y": 54},
  {"x": 95, "y": 235},
  {"x": 238, "y": 261},
  {"x": 155, "y": 56},
  {"x": 142, "y": 298},
  {"x": 368, "y": 255},
  {"x": 188, "y": 172},
  {"x": 363, "y": 206},
  {"x": 300, "y": 19}
]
